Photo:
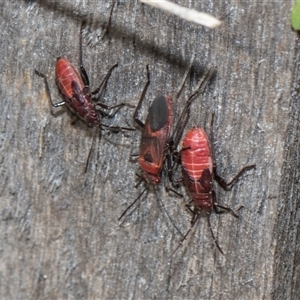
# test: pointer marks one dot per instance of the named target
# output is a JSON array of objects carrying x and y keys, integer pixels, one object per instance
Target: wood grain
[{"x": 59, "y": 234}]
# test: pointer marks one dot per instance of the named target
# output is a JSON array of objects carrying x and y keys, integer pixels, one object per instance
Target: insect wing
[
  {"x": 65, "y": 75},
  {"x": 206, "y": 180},
  {"x": 156, "y": 135}
]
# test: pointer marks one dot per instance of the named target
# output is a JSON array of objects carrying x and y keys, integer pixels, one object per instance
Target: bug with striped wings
[{"x": 198, "y": 172}]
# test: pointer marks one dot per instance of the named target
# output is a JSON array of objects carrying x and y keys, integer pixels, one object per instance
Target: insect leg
[
  {"x": 128, "y": 207},
  {"x": 48, "y": 89},
  {"x": 196, "y": 216},
  {"x": 90, "y": 152},
  {"x": 167, "y": 213},
  {"x": 104, "y": 81},
  {"x": 216, "y": 207},
  {"x": 212, "y": 234},
  {"x": 135, "y": 115},
  {"x": 227, "y": 186},
  {"x": 168, "y": 168},
  {"x": 84, "y": 75},
  {"x": 116, "y": 128}
]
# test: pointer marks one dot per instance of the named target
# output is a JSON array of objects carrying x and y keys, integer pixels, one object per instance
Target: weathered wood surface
[{"x": 59, "y": 234}]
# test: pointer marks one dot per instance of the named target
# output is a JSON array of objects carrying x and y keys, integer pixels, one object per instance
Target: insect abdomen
[
  {"x": 196, "y": 154},
  {"x": 65, "y": 75}
]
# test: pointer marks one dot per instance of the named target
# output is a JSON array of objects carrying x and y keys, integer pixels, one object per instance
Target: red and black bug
[
  {"x": 198, "y": 171},
  {"x": 76, "y": 91},
  {"x": 156, "y": 146},
  {"x": 155, "y": 136}
]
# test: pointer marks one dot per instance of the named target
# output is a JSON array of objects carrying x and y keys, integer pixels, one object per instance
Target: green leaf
[{"x": 295, "y": 17}]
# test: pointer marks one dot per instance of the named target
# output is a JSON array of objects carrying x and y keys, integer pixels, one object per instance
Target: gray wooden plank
[{"x": 59, "y": 234}]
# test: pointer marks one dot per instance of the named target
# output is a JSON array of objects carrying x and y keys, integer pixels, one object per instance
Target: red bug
[
  {"x": 76, "y": 91},
  {"x": 198, "y": 171},
  {"x": 155, "y": 137},
  {"x": 156, "y": 146}
]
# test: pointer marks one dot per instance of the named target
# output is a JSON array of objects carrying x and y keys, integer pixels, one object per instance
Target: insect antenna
[
  {"x": 183, "y": 81},
  {"x": 185, "y": 115},
  {"x": 105, "y": 31}
]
